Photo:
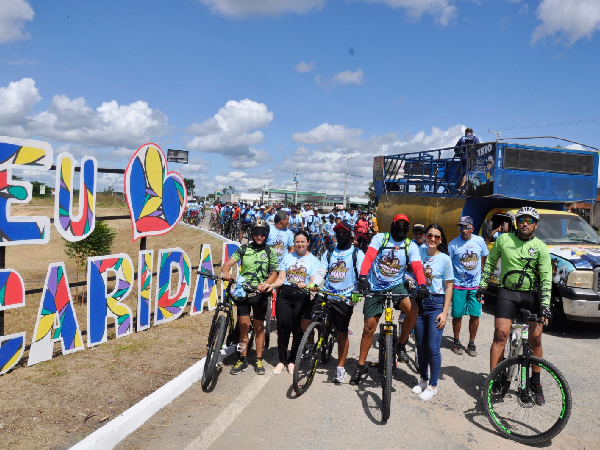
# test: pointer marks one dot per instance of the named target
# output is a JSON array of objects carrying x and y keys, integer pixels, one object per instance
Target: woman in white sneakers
[{"x": 431, "y": 320}]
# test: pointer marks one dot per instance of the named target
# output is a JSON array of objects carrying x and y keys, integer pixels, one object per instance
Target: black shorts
[
  {"x": 509, "y": 303},
  {"x": 341, "y": 313},
  {"x": 245, "y": 226},
  {"x": 258, "y": 303}
]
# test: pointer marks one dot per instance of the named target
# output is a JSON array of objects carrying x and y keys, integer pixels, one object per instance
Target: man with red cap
[{"x": 382, "y": 271}]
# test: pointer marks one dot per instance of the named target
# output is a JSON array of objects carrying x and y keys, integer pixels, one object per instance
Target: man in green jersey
[
  {"x": 259, "y": 267},
  {"x": 526, "y": 270}
]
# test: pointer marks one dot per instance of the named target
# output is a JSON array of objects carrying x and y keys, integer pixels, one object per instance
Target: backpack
[
  {"x": 354, "y": 261},
  {"x": 226, "y": 213},
  {"x": 462, "y": 147},
  {"x": 386, "y": 239}
]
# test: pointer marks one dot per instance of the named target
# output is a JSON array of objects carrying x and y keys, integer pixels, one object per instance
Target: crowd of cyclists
[{"x": 434, "y": 278}]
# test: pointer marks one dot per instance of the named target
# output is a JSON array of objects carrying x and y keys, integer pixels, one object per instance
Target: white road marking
[{"x": 227, "y": 417}]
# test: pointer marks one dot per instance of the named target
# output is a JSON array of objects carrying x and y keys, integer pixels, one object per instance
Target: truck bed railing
[{"x": 434, "y": 171}]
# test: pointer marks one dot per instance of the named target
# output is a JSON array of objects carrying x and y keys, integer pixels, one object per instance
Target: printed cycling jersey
[
  {"x": 525, "y": 266},
  {"x": 299, "y": 269},
  {"x": 389, "y": 266},
  {"x": 280, "y": 241},
  {"x": 257, "y": 265},
  {"x": 466, "y": 259},
  {"x": 294, "y": 223},
  {"x": 341, "y": 277}
]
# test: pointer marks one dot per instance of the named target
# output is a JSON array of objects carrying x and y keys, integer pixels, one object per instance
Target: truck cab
[{"x": 501, "y": 177}]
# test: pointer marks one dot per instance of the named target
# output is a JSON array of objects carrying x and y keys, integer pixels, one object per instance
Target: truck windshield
[{"x": 565, "y": 229}]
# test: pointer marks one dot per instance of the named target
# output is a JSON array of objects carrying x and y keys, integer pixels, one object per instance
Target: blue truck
[{"x": 500, "y": 177}]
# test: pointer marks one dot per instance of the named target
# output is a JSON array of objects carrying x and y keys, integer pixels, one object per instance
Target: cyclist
[
  {"x": 270, "y": 215},
  {"x": 525, "y": 269},
  {"x": 295, "y": 221},
  {"x": 361, "y": 228},
  {"x": 313, "y": 226},
  {"x": 340, "y": 268},
  {"x": 247, "y": 217},
  {"x": 280, "y": 238},
  {"x": 352, "y": 217},
  {"x": 259, "y": 268},
  {"x": 385, "y": 263},
  {"x": 297, "y": 270}
]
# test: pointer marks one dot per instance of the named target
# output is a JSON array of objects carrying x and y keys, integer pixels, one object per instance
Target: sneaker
[
  {"x": 471, "y": 349},
  {"x": 538, "y": 393},
  {"x": 240, "y": 366},
  {"x": 402, "y": 355},
  {"x": 340, "y": 375},
  {"x": 458, "y": 348},
  {"x": 420, "y": 387},
  {"x": 279, "y": 368},
  {"x": 259, "y": 368},
  {"x": 428, "y": 393},
  {"x": 357, "y": 376}
]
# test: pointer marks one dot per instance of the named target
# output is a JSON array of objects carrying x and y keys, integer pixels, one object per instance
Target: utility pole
[
  {"x": 296, "y": 181},
  {"x": 495, "y": 131},
  {"x": 347, "y": 158}
]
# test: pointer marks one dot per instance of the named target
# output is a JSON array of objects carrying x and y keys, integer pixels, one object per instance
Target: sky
[{"x": 257, "y": 90}]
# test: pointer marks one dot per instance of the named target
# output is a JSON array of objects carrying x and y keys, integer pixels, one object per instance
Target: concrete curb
[{"x": 126, "y": 423}]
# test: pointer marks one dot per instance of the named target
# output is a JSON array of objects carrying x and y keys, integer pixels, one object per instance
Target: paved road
[{"x": 263, "y": 412}]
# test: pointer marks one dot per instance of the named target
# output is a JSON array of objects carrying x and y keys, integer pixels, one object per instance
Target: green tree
[
  {"x": 98, "y": 243},
  {"x": 189, "y": 186},
  {"x": 371, "y": 194}
]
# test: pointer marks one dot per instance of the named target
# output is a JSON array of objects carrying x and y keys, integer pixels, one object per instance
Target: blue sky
[{"x": 257, "y": 89}]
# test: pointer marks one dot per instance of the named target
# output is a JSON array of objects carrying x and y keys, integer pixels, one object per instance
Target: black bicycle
[
  {"x": 388, "y": 342},
  {"x": 317, "y": 343},
  {"x": 510, "y": 400},
  {"x": 223, "y": 320}
]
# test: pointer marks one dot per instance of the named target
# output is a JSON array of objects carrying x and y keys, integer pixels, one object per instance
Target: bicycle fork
[{"x": 385, "y": 329}]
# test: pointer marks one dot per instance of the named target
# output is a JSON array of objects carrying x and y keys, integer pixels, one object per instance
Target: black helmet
[{"x": 260, "y": 225}]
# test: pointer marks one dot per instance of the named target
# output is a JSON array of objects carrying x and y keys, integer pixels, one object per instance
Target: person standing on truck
[
  {"x": 468, "y": 253},
  {"x": 460, "y": 149},
  {"x": 526, "y": 269},
  {"x": 383, "y": 271}
]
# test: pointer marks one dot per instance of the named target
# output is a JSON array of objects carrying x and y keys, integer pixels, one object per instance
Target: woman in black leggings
[{"x": 296, "y": 271}]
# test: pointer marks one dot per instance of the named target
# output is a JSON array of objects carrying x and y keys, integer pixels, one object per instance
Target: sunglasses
[
  {"x": 528, "y": 221},
  {"x": 434, "y": 236},
  {"x": 464, "y": 227}
]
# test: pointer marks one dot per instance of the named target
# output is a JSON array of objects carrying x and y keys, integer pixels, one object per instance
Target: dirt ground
[{"x": 57, "y": 403}]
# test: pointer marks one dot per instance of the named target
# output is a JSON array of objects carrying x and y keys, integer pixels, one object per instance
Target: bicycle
[
  {"x": 509, "y": 401},
  {"x": 223, "y": 320},
  {"x": 317, "y": 343},
  {"x": 388, "y": 341}
]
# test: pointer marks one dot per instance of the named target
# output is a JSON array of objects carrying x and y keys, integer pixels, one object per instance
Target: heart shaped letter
[{"x": 156, "y": 199}]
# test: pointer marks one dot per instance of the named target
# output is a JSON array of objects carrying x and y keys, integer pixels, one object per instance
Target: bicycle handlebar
[{"x": 531, "y": 317}]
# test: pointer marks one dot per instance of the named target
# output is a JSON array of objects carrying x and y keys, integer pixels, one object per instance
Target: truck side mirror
[{"x": 486, "y": 230}]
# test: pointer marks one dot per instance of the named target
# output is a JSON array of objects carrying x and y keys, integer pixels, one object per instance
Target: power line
[{"x": 552, "y": 124}]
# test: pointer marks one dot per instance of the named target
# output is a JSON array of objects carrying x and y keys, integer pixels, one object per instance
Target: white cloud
[
  {"x": 303, "y": 67},
  {"x": 567, "y": 20},
  {"x": 13, "y": 15},
  {"x": 324, "y": 169},
  {"x": 243, "y": 8},
  {"x": 243, "y": 181},
  {"x": 442, "y": 10},
  {"x": 66, "y": 120},
  {"x": 252, "y": 159},
  {"x": 327, "y": 133},
  {"x": 232, "y": 131},
  {"x": 349, "y": 77}
]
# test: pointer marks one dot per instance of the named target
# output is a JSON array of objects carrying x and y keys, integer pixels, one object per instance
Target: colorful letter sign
[
  {"x": 12, "y": 295},
  {"x": 156, "y": 199},
  {"x": 206, "y": 289},
  {"x": 170, "y": 308}
]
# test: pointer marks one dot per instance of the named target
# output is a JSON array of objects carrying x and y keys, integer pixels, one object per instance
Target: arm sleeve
[
  {"x": 237, "y": 255},
  {"x": 368, "y": 261},
  {"x": 417, "y": 268},
  {"x": 490, "y": 265},
  {"x": 545, "y": 271}
]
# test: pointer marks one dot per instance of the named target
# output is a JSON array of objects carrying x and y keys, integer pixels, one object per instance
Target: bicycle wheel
[
  {"x": 215, "y": 343},
  {"x": 267, "y": 323},
  {"x": 307, "y": 357},
  {"x": 515, "y": 414},
  {"x": 328, "y": 343},
  {"x": 388, "y": 375}
]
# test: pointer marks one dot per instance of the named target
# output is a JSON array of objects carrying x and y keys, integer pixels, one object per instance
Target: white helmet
[{"x": 527, "y": 211}]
